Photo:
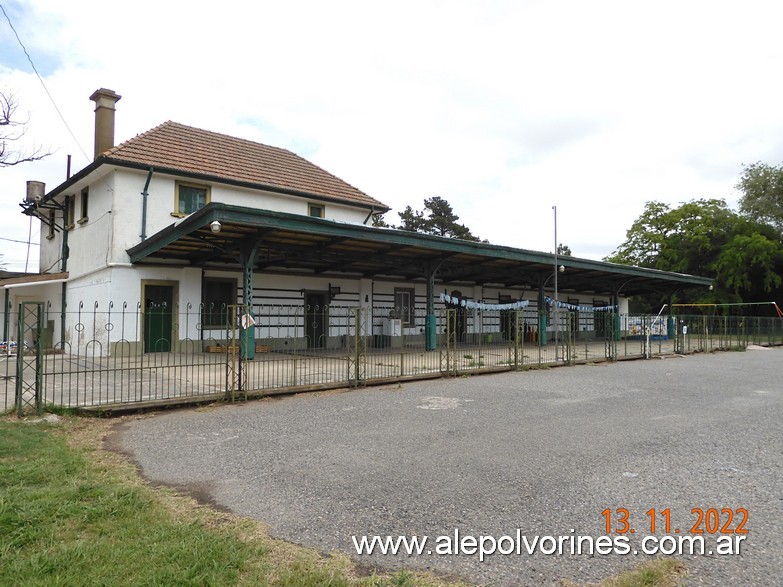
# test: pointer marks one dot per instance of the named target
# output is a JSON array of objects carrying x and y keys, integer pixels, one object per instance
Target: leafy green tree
[
  {"x": 682, "y": 239},
  {"x": 436, "y": 218},
  {"x": 705, "y": 237},
  {"x": 762, "y": 193},
  {"x": 749, "y": 261}
]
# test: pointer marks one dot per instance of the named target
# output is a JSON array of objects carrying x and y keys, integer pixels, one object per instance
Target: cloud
[{"x": 503, "y": 108}]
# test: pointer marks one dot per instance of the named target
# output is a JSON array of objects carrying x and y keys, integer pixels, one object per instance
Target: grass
[
  {"x": 72, "y": 513},
  {"x": 657, "y": 573}
]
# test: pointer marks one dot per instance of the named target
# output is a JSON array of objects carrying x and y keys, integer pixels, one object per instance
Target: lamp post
[{"x": 555, "y": 313}]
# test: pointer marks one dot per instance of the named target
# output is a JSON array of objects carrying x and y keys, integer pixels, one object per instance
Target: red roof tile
[{"x": 191, "y": 150}]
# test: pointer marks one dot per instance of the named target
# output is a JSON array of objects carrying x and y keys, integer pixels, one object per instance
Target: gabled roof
[{"x": 177, "y": 148}]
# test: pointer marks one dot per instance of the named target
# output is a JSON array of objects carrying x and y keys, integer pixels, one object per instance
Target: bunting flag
[
  {"x": 549, "y": 301},
  {"x": 471, "y": 305}
]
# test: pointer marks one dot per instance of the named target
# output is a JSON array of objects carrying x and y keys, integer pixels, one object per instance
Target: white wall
[
  {"x": 116, "y": 209},
  {"x": 127, "y": 206}
]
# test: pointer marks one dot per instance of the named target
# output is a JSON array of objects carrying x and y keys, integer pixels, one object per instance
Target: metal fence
[{"x": 136, "y": 356}]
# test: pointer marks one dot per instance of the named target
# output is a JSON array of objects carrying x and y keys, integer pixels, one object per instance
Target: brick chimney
[{"x": 104, "y": 119}]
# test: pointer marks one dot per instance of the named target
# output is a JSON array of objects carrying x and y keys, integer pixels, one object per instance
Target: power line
[{"x": 16, "y": 241}]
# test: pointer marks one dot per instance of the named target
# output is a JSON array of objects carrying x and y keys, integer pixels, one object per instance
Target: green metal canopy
[{"x": 293, "y": 242}]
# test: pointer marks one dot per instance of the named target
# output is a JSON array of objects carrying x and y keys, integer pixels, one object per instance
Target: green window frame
[{"x": 190, "y": 198}]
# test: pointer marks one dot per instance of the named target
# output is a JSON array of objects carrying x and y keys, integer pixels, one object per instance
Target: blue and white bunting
[
  {"x": 471, "y": 305},
  {"x": 549, "y": 301}
]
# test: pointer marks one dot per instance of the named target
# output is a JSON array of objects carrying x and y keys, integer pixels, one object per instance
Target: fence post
[
  {"x": 516, "y": 339},
  {"x": 29, "y": 310},
  {"x": 356, "y": 351}
]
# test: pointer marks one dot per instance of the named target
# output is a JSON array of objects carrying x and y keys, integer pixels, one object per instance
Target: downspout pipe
[
  {"x": 64, "y": 268},
  {"x": 144, "y": 195},
  {"x": 372, "y": 211}
]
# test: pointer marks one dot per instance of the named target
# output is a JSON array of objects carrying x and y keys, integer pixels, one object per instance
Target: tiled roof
[{"x": 191, "y": 150}]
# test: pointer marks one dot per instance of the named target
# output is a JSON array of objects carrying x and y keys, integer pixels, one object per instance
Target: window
[
  {"x": 405, "y": 305},
  {"x": 50, "y": 225},
  {"x": 68, "y": 212},
  {"x": 85, "y": 205},
  {"x": 315, "y": 210},
  {"x": 217, "y": 295},
  {"x": 190, "y": 198}
]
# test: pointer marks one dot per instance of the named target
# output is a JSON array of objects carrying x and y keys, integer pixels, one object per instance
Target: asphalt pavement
[{"x": 537, "y": 453}]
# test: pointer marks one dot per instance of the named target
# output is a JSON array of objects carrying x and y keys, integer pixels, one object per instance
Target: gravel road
[{"x": 540, "y": 452}]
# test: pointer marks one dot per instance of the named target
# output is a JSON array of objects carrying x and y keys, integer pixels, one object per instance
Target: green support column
[
  {"x": 6, "y": 316},
  {"x": 430, "y": 323},
  {"x": 671, "y": 325},
  {"x": 616, "y": 318},
  {"x": 541, "y": 317},
  {"x": 247, "y": 344},
  {"x": 63, "y": 291}
]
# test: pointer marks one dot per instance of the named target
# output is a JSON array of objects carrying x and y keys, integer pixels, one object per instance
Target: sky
[{"x": 503, "y": 108}]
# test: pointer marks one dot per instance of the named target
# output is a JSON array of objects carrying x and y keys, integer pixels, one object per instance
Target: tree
[
  {"x": 437, "y": 218},
  {"x": 680, "y": 239},
  {"x": 11, "y": 131},
  {"x": 762, "y": 193},
  {"x": 379, "y": 221},
  {"x": 563, "y": 250},
  {"x": 412, "y": 220},
  {"x": 705, "y": 237}
]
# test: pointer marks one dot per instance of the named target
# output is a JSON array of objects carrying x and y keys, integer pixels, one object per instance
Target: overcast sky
[{"x": 503, "y": 108}]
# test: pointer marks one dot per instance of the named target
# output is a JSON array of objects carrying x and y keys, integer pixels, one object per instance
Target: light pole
[{"x": 555, "y": 313}]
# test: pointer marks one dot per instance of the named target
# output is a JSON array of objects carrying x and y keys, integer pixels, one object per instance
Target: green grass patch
[
  {"x": 78, "y": 515},
  {"x": 63, "y": 522},
  {"x": 657, "y": 573}
]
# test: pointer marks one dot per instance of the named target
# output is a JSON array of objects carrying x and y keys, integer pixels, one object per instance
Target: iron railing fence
[{"x": 125, "y": 355}]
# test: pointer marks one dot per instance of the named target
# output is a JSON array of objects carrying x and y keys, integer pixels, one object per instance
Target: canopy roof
[{"x": 292, "y": 242}]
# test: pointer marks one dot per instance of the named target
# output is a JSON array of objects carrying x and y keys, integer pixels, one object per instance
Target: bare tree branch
[{"x": 11, "y": 130}]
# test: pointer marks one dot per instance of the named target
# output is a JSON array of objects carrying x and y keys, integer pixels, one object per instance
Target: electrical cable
[{"x": 12, "y": 240}]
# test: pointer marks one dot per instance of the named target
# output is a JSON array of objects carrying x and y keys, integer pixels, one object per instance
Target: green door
[{"x": 158, "y": 319}]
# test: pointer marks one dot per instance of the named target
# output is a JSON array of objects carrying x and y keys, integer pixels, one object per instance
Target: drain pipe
[
  {"x": 63, "y": 269},
  {"x": 144, "y": 195},
  {"x": 372, "y": 211}
]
